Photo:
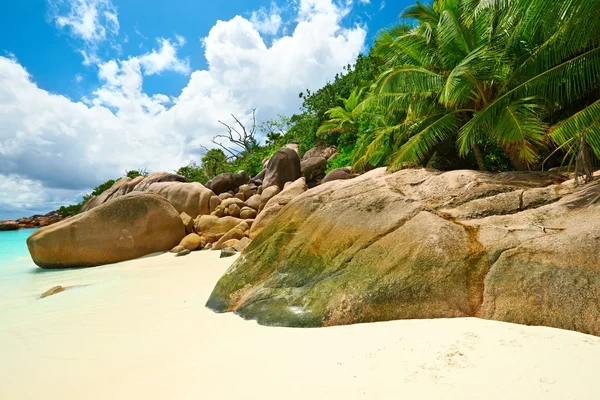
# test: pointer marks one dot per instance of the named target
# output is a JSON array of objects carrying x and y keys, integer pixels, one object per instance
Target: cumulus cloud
[
  {"x": 90, "y": 21},
  {"x": 267, "y": 21},
  {"x": 50, "y": 143}
]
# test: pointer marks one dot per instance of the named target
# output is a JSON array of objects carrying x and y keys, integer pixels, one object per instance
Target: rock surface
[
  {"x": 191, "y": 198},
  {"x": 515, "y": 247},
  {"x": 129, "y": 227},
  {"x": 52, "y": 291},
  {"x": 35, "y": 221},
  {"x": 284, "y": 166},
  {"x": 313, "y": 168},
  {"x": 227, "y": 181},
  {"x": 339, "y": 174},
  {"x": 275, "y": 204},
  {"x": 9, "y": 225}
]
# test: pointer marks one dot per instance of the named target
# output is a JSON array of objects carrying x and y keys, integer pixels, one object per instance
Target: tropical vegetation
[{"x": 482, "y": 84}]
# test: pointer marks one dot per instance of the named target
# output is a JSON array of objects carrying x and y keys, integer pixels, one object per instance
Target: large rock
[
  {"x": 321, "y": 150},
  {"x": 339, "y": 174},
  {"x": 275, "y": 204},
  {"x": 192, "y": 198},
  {"x": 213, "y": 228},
  {"x": 313, "y": 168},
  {"x": 157, "y": 177},
  {"x": 515, "y": 247},
  {"x": 284, "y": 166},
  {"x": 9, "y": 225},
  {"x": 123, "y": 229},
  {"x": 109, "y": 193},
  {"x": 225, "y": 182},
  {"x": 127, "y": 185}
]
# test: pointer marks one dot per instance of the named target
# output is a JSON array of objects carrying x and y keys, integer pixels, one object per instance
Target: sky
[{"x": 92, "y": 88}]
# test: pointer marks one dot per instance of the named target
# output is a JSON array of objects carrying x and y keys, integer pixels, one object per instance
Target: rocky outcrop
[
  {"x": 274, "y": 205},
  {"x": 128, "y": 227},
  {"x": 515, "y": 247},
  {"x": 127, "y": 185},
  {"x": 191, "y": 198},
  {"x": 284, "y": 166},
  {"x": 213, "y": 228},
  {"x": 35, "y": 221},
  {"x": 225, "y": 182},
  {"x": 314, "y": 168},
  {"x": 339, "y": 174},
  {"x": 9, "y": 225},
  {"x": 321, "y": 150}
]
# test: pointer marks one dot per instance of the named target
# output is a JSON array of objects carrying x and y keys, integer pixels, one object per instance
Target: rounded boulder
[{"x": 129, "y": 227}]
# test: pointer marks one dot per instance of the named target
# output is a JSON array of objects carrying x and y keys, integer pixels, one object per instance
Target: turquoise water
[
  {"x": 16, "y": 266},
  {"x": 13, "y": 246}
]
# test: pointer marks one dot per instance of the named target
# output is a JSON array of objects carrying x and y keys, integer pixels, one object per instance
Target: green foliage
[
  {"x": 69, "y": 211},
  {"x": 134, "y": 173},
  {"x": 214, "y": 163},
  {"x": 193, "y": 173},
  {"x": 490, "y": 75}
]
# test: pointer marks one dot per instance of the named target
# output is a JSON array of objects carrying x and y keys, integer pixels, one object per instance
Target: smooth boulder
[
  {"x": 284, "y": 166},
  {"x": 191, "y": 198},
  {"x": 275, "y": 204},
  {"x": 514, "y": 247},
  {"x": 339, "y": 174},
  {"x": 227, "y": 181},
  {"x": 313, "y": 168},
  {"x": 129, "y": 227}
]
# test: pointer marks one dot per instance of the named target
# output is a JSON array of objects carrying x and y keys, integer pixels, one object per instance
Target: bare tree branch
[{"x": 244, "y": 139}]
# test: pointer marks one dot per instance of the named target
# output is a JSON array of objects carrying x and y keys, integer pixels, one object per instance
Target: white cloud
[
  {"x": 57, "y": 144},
  {"x": 267, "y": 22},
  {"x": 89, "y": 20}
]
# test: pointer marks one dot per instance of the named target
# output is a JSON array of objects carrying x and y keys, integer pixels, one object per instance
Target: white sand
[{"x": 139, "y": 330}]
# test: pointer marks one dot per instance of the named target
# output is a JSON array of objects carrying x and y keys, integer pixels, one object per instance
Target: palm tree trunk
[
  {"x": 515, "y": 159},
  {"x": 479, "y": 157}
]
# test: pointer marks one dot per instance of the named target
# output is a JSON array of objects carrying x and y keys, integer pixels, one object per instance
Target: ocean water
[
  {"x": 13, "y": 252},
  {"x": 16, "y": 267}
]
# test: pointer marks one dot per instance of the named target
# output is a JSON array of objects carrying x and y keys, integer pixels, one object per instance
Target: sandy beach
[{"x": 140, "y": 330}]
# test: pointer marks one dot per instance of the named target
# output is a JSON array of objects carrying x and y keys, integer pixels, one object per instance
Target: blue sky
[{"x": 89, "y": 88}]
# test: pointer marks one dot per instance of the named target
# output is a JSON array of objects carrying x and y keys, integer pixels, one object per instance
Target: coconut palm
[
  {"x": 495, "y": 71},
  {"x": 343, "y": 118}
]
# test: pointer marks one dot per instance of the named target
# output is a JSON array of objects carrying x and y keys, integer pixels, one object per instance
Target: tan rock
[
  {"x": 231, "y": 243},
  {"x": 188, "y": 222},
  {"x": 215, "y": 201},
  {"x": 219, "y": 212},
  {"x": 238, "y": 232},
  {"x": 247, "y": 191},
  {"x": 240, "y": 196},
  {"x": 254, "y": 202},
  {"x": 52, "y": 291},
  {"x": 225, "y": 196},
  {"x": 191, "y": 242},
  {"x": 248, "y": 213},
  {"x": 268, "y": 194},
  {"x": 191, "y": 198},
  {"x": 419, "y": 243},
  {"x": 213, "y": 228},
  {"x": 177, "y": 249},
  {"x": 275, "y": 204},
  {"x": 234, "y": 210},
  {"x": 242, "y": 244},
  {"x": 128, "y": 227},
  {"x": 234, "y": 200}
]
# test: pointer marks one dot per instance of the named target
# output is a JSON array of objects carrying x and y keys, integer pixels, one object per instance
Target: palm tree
[
  {"x": 343, "y": 118},
  {"x": 495, "y": 71}
]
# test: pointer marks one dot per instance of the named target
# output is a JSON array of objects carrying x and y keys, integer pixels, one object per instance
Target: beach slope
[{"x": 139, "y": 329}]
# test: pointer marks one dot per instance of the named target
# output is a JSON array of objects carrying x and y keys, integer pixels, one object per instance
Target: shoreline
[{"x": 140, "y": 329}]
